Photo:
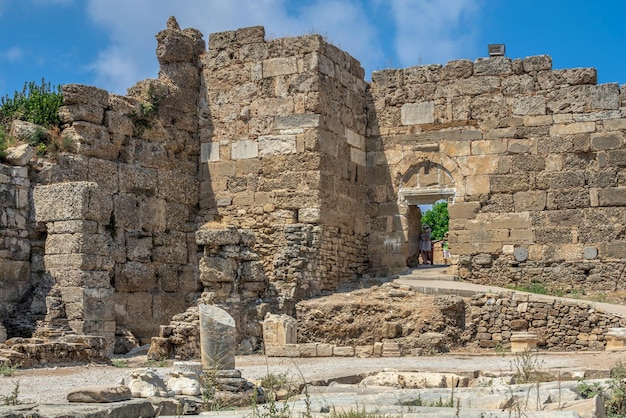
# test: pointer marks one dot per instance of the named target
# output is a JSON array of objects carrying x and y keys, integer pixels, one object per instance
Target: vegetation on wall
[
  {"x": 437, "y": 218},
  {"x": 38, "y": 104}
]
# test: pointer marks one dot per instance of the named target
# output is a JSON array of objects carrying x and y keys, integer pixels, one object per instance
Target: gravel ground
[{"x": 51, "y": 385}]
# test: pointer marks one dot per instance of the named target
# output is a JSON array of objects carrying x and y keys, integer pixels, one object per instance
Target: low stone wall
[
  {"x": 67, "y": 350},
  {"x": 560, "y": 324},
  {"x": 378, "y": 349}
]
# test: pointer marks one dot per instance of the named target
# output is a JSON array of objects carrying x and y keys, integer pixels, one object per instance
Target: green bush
[{"x": 37, "y": 104}]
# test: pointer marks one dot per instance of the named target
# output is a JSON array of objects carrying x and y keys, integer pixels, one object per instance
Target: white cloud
[
  {"x": 13, "y": 54},
  {"x": 130, "y": 56},
  {"x": 434, "y": 31}
]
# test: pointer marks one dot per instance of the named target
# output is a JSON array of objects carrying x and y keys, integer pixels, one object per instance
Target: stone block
[
  {"x": 79, "y": 93},
  {"x": 358, "y": 156},
  {"x": 391, "y": 349},
  {"x": 116, "y": 123},
  {"x": 606, "y": 140},
  {"x": 177, "y": 186},
  {"x": 244, "y": 148},
  {"x": 105, "y": 174},
  {"x": 325, "y": 349},
  {"x": 136, "y": 277},
  {"x": 308, "y": 120},
  {"x": 275, "y": 351},
  {"x": 12, "y": 271},
  {"x": 209, "y": 151},
  {"x": 276, "y": 144},
  {"x": 523, "y": 341},
  {"x": 537, "y": 63},
  {"x": 493, "y": 66},
  {"x": 94, "y": 140},
  {"x": 572, "y": 128},
  {"x": 279, "y": 330},
  {"x": 464, "y": 210},
  {"x": 343, "y": 351},
  {"x": 612, "y": 196},
  {"x": 308, "y": 349},
  {"x": 612, "y": 250},
  {"x": 355, "y": 140},
  {"x": 615, "y": 339},
  {"x": 279, "y": 66},
  {"x": 417, "y": 113},
  {"x": 309, "y": 215},
  {"x": 529, "y": 201},
  {"x": 364, "y": 351},
  {"x": 71, "y": 201},
  {"x": 134, "y": 178}
]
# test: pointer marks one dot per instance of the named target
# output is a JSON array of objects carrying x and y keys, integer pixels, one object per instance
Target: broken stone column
[
  {"x": 615, "y": 339},
  {"x": 3, "y": 334},
  {"x": 522, "y": 341},
  {"x": 279, "y": 334},
  {"x": 186, "y": 378},
  {"x": 78, "y": 256},
  {"x": 217, "y": 338}
]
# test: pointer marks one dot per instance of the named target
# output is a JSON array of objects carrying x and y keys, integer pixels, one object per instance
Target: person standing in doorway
[
  {"x": 426, "y": 245},
  {"x": 446, "y": 249}
]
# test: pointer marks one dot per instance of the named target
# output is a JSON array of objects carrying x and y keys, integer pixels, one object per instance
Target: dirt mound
[{"x": 383, "y": 312}]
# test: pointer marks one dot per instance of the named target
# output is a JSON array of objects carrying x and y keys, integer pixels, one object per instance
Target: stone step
[{"x": 429, "y": 272}]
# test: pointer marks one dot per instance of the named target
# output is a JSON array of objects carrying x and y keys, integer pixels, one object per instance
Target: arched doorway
[{"x": 423, "y": 184}]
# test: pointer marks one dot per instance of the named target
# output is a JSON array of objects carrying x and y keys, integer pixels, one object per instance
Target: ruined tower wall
[
  {"x": 283, "y": 153},
  {"x": 120, "y": 211},
  {"x": 536, "y": 156}
]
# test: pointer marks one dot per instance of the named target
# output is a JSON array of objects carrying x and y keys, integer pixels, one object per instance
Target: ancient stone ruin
[{"x": 255, "y": 173}]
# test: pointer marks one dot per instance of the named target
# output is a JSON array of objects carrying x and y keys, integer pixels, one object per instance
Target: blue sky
[{"x": 111, "y": 44}]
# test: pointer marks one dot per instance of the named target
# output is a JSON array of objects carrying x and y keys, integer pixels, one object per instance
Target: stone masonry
[{"x": 284, "y": 141}]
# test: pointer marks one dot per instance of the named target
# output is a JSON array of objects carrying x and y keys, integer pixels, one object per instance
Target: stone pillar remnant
[
  {"x": 521, "y": 341},
  {"x": 217, "y": 338},
  {"x": 616, "y": 339}
]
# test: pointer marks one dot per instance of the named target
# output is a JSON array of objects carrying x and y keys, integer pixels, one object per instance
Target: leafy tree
[{"x": 437, "y": 218}]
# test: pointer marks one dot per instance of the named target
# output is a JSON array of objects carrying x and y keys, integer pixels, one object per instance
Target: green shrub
[
  {"x": 37, "y": 104},
  {"x": 8, "y": 371}
]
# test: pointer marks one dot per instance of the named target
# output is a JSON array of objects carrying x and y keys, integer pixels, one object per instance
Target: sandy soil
[{"x": 51, "y": 385}]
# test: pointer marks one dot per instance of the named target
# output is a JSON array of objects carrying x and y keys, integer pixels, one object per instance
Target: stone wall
[
  {"x": 283, "y": 152},
  {"x": 530, "y": 159},
  {"x": 15, "y": 245},
  {"x": 284, "y": 138},
  {"x": 560, "y": 324},
  {"x": 120, "y": 210}
]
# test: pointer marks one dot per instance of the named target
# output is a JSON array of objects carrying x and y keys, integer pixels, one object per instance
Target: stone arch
[{"x": 441, "y": 162}]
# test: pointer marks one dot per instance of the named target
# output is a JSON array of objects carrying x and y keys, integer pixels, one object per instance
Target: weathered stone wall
[
  {"x": 15, "y": 246},
  {"x": 534, "y": 157},
  {"x": 285, "y": 138},
  {"x": 283, "y": 152},
  {"x": 134, "y": 262}
]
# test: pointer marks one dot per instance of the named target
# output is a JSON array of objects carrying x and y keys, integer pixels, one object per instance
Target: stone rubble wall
[
  {"x": 535, "y": 157},
  {"x": 560, "y": 324}
]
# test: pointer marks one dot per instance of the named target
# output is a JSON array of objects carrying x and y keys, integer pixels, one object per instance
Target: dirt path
[{"x": 52, "y": 385}]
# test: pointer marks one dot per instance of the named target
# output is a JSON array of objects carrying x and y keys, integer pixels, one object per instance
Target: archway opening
[{"x": 422, "y": 186}]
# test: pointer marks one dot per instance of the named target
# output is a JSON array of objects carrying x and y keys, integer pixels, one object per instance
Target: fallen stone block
[{"x": 100, "y": 394}]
